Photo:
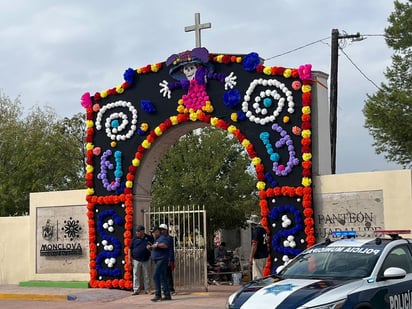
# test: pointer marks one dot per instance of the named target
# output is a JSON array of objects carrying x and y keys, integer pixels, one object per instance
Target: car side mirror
[{"x": 394, "y": 273}]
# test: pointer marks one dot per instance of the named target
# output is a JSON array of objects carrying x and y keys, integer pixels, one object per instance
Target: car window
[
  {"x": 399, "y": 256},
  {"x": 339, "y": 265}
]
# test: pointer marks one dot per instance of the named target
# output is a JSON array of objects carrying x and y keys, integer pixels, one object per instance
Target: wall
[
  {"x": 394, "y": 187},
  {"x": 14, "y": 249},
  {"x": 72, "y": 203}
]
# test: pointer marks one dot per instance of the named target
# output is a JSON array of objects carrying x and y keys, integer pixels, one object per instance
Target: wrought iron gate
[{"x": 187, "y": 226}]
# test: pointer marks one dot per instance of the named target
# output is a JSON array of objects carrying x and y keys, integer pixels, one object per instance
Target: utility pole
[{"x": 333, "y": 101}]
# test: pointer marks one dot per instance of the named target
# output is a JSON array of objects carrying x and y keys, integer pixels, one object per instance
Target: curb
[{"x": 42, "y": 297}]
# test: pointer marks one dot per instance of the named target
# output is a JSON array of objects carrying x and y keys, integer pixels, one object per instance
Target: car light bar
[
  {"x": 348, "y": 234},
  {"x": 390, "y": 232},
  {"x": 394, "y": 234}
]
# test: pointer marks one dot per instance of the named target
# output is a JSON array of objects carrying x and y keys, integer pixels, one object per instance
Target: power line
[
  {"x": 360, "y": 71},
  {"x": 295, "y": 49}
]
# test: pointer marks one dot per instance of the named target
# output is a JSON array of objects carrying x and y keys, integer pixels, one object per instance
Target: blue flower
[
  {"x": 250, "y": 62},
  {"x": 148, "y": 106},
  {"x": 232, "y": 98},
  {"x": 129, "y": 75}
]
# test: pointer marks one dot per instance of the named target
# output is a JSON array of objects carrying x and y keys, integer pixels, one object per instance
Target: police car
[{"x": 346, "y": 273}]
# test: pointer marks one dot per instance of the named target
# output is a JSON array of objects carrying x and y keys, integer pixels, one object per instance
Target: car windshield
[{"x": 332, "y": 263}]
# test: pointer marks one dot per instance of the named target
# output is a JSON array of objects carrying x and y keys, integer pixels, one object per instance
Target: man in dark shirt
[
  {"x": 160, "y": 256},
  {"x": 259, "y": 251},
  {"x": 139, "y": 256},
  {"x": 171, "y": 266}
]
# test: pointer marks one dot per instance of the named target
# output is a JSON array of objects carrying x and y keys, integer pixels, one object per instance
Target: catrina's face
[{"x": 189, "y": 71}]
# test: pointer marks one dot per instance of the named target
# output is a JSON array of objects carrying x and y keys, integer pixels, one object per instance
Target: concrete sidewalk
[{"x": 215, "y": 297}]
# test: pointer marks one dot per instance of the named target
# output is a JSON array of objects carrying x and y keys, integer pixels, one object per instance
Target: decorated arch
[{"x": 267, "y": 108}]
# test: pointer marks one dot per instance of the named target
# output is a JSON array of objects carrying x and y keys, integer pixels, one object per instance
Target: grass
[{"x": 60, "y": 284}]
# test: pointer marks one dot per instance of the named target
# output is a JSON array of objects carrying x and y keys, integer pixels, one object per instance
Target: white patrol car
[{"x": 346, "y": 273}]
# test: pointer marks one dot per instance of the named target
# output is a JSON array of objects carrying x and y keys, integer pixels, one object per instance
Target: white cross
[{"x": 197, "y": 27}]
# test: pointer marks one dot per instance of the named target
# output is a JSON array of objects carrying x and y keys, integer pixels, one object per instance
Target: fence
[{"x": 187, "y": 226}]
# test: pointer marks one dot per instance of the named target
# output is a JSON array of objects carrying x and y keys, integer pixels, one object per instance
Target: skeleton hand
[
  {"x": 230, "y": 81},
  {"x": 165, "y": 89}
]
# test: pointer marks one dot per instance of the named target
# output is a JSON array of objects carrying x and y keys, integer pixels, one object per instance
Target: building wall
[
  {"x": 14, "y": 249},
  {"x": 389, "y": 190}
]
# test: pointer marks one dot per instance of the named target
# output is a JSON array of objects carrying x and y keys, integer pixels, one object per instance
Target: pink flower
[
  {"x": 86, "y": 101},
  {"x": 305, "y": 72}
]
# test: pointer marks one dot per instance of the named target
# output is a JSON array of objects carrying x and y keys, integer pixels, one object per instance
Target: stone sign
[
  {"x": 360, "y": 211},
  {"x": 61, "y": 240}
]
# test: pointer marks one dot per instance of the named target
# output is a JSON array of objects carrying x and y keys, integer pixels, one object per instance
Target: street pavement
[{"x": 17, "y": 297}]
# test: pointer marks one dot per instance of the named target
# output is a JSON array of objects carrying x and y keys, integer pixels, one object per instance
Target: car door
[{"x": 394, "y": 292}]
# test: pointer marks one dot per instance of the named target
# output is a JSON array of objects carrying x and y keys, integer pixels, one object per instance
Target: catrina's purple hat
[{"x": 198, "y": 55}]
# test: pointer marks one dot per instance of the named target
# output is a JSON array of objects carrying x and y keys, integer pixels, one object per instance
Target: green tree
[
  {"x": 38, "y": 153},
  {"x": 209, "y": 168},
  {"x": 388, "y": 112}
]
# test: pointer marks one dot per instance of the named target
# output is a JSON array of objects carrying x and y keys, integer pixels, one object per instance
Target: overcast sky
[{"x": 53, "y": 51}]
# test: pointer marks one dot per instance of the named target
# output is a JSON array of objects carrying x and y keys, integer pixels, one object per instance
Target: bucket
[{"x": 236, "y": 277}]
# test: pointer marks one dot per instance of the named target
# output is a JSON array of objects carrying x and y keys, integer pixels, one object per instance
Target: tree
[
  {"x": 208, "y": 168},
  {"x": 37, "y": 153},
  {"x": 388, "y": 112}
]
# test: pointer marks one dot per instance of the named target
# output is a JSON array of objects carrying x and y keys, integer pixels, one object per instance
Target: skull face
[{"x": 189, "y": 70}]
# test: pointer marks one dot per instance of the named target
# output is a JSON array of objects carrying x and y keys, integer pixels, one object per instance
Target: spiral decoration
[
  {"x": 263, "y": 108},
  {"x": 117, "y": 122}
]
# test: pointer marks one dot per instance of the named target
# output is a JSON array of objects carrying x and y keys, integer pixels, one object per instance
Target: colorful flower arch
[{"x": 268, "y": 109}]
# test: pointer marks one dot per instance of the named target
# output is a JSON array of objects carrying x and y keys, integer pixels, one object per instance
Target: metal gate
[{"x": 187, "y": 226}]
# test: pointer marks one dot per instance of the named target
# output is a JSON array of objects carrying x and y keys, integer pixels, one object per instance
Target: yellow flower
[
  {"x": 193, "y": 116},
  {"x": 306, "y": 156},
  {"x": 89, "y": 146},
  {"x": 238, "y": 59},
  {"x": 231, "y": 129},
  {"x": 90, "y": 191},
  {"x": 158, "y": 131},
  {"x": 233, "y": 116},
  {"x": 256, "y": 161},
  {"x": 287, "y": 73},
  {"x": 267, "y": 70},
  {"x": 306, "y": 133},
  {"x": 174, "y": 121},
  {"x": 286, "y": 119},
  {"x": 213, "y": 121},
  {"x": 154, "y": 68},
  {"x": 180, "y": 108},
  {"x": 136, "y": 162},
  {"x": 89, "y": 168},
  {"x": 306, "y": 181},
  {"x": 129, "y": 184},
  {"x": 146, "y": 144},
  {"x": 113, "y": 144},
  {"x": 144, "y": 126},
  {"x": 219, "y": 58},
  {"x": 261, "y": 185},
  {"x": 245, "y": 143},
  {"x": 306, "y": 88},
  {"x": 306, "y": 110},
  {"x": 103, "y": 94},
  {"x": 119, "y": 89},
  {"x": 89, "y": 123}
]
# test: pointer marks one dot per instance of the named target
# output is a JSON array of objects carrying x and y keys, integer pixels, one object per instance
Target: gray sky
[{"x": 53, "y": 51}]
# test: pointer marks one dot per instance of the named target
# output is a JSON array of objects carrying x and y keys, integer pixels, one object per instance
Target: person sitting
[{"x": 223, "y": 260}]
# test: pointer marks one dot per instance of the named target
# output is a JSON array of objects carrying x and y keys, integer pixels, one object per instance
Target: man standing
[
  {"x": 171, "y": 265},
  {"x": 160, "y": 256},
  {"x": 139, "y": 256},
  {"x": 259, "y": 251}
]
